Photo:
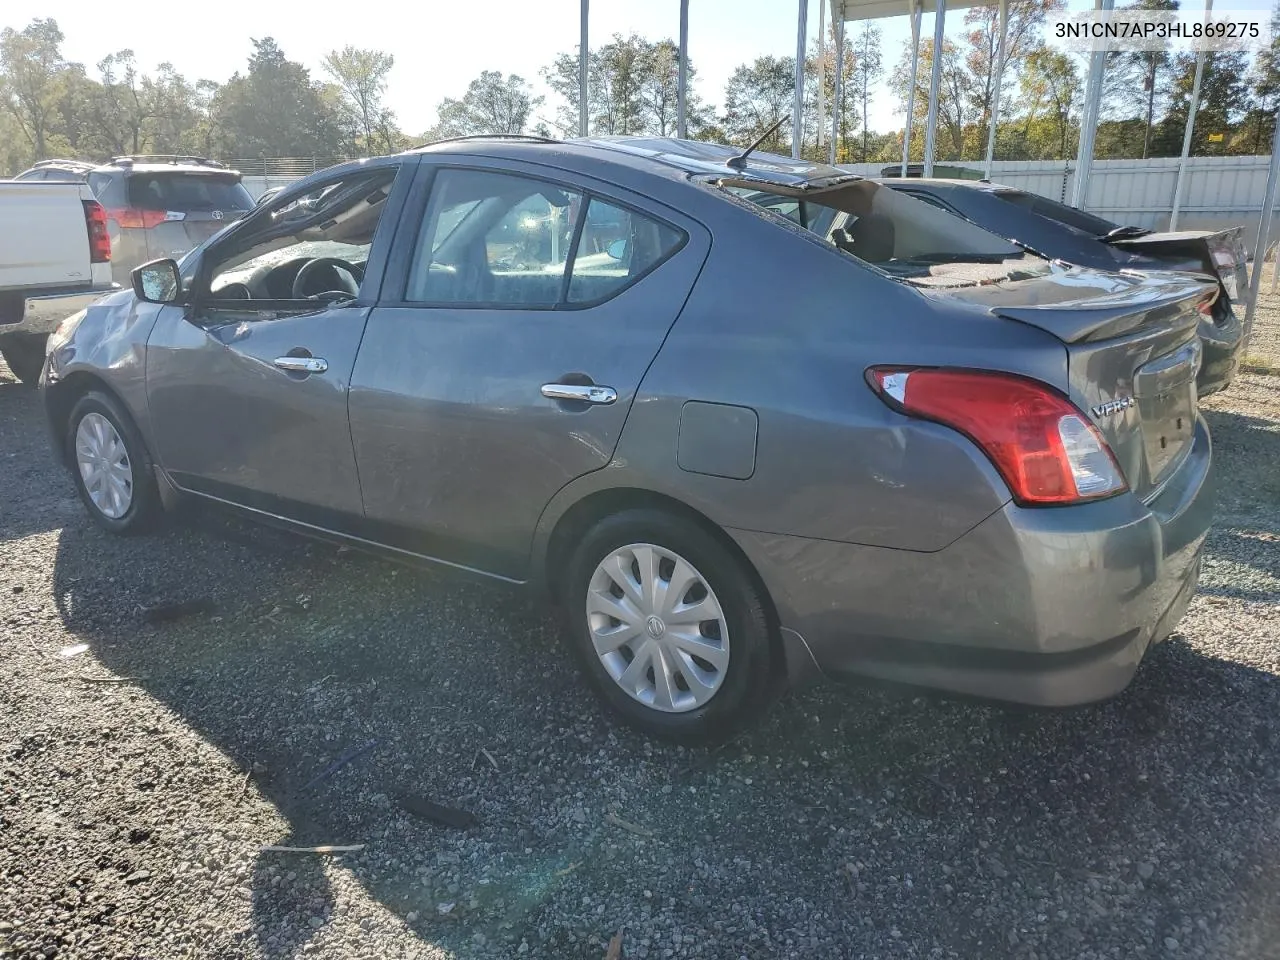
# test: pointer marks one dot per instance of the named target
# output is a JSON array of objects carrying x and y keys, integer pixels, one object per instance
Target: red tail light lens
[
  {"x": 1206, "y": 304},
  {"x": 95, "y": 221},
  {"x": 1046, "y": 450},
  {"x": 132, "y": 217}
]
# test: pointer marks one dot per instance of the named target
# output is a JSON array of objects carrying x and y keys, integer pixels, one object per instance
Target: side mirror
[
  {"x": 616, "y": 250},
  {"x": 157, "y": 282}
]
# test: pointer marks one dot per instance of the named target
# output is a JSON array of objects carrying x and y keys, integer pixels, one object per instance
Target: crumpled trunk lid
[
  {"x": 1220, "y": 253},
  {"x": 1132, "y": 355}
]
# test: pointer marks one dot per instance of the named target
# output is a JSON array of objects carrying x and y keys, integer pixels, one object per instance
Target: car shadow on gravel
[
  {"x": 350, "y": 690},
  {"x": 27, "y": 468}
]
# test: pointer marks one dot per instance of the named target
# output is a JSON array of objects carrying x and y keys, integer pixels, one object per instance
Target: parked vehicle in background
[
  {"x": 157, "y": 206},
  {"x": 730, "y": 443},
  {"x": 1061, "y": 232},
  {"x": 64, "y": 171},
  {"x": 165, "y": 206},
  {"x": 55, "y": 258}
]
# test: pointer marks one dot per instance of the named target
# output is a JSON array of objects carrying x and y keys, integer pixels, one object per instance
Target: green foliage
[{"x": 493, "y": 103}]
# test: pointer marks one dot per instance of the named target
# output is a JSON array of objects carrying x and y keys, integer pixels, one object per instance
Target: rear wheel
[
  {"x": 669, "y": 626},
  {"x": 112, "y": 469},
  {"x": 24, "y": 354}
]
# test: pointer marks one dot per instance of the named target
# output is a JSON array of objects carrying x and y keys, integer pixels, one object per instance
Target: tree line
[{"x": 277, "y": 107}]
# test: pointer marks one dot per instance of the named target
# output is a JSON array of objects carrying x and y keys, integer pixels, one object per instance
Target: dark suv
[{"x": 157, "y": 206}]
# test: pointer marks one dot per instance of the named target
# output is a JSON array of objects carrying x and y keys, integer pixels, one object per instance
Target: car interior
[
  {"x": 512, "y": 241},
  {"x": 908, "y": 239},
  {"x": 311, "y": 248}
]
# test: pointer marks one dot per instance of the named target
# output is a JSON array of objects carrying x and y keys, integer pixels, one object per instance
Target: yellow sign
[{"x": 1216, "y": 137}]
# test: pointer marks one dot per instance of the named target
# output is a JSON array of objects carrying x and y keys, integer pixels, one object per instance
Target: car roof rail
[
  {"x": 526, "y": 137},
  {"x": 70, "y": 164},
  {"x": 129, "y": 160}
]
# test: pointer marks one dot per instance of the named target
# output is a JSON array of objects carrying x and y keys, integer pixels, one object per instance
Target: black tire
[
  {"x": 748, "y": 680},
  {"x": 145, "y": 507},
  {"x": 24, "y": 354}
]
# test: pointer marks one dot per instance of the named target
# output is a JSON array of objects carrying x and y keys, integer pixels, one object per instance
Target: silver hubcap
[
  {"x": 104, "y": 465},
  {"x": 658, "y": 627}
]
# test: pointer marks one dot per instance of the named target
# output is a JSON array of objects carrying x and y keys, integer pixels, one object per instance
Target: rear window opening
[
  {"x": 910, "y": 240},
  {"x": 1086, "y": 223},
  {"x": 188, "y": 192}
]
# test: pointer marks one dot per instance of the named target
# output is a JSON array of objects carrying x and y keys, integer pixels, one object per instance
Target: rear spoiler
[{"x": 1220, "y": 253}]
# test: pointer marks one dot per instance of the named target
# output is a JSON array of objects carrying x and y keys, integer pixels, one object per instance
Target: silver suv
[{"x": 157, "y": 206}]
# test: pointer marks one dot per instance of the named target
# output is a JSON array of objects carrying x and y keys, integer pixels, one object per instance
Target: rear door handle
[
  {"x": 302, "y": 364},
  {"x": 579, "y": 393}
]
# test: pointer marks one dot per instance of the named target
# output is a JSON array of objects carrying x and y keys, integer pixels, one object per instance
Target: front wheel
[
  {"x": 24, "y": 354},
  {"x": 112, "y": 469},
  {"x": 669, "y": 625}
]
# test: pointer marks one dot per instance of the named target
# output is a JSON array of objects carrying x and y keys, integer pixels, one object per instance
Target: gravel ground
[{"x": 139, "y": 778}]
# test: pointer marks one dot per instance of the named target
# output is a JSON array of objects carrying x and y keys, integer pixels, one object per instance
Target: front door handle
[
  {"x": 302, "y": 364},
  {"x": 579, "y": 393}
]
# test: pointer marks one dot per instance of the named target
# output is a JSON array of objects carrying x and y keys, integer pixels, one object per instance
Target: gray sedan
[{"x": 743, "y": 419}]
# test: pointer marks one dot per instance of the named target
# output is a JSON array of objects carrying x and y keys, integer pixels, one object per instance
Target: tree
[
  {"x": 660, "y": 92},
  {"x": 30, "y": 65},
  {"x": 493, "y": 103},
  {"x": 1049, "y": 93},
  {"x": 361, "y": 75},
  {"x": 274, "y": 109},
  {"x": 118, "y": 109},
  {"x": 868, "y": 68},
  {"x": 756, "y": 96},
  {"x": 1134, "y": 77},
  {"x": 982, "y": 53},
  {"x": 955, "y": 111},
  {"x": 1223, "y": 99}
]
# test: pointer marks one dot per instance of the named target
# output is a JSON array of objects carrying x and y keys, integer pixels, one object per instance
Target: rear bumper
[
  {"x": 1223, "y": 345},
  {"x": 42, "y": 313},
  {"x": 1050, "y": 607}
]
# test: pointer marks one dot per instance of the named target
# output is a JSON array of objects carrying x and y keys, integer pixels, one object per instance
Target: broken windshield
[{"x": 908, "y": 239}]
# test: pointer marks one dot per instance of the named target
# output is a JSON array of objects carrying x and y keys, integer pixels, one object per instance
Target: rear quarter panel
[{"x": 786, "y": 326}]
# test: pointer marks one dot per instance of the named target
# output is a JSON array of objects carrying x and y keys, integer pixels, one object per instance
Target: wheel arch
[
  {"x": 562, "y": 528},
  {"x": 62, "y": 397}
]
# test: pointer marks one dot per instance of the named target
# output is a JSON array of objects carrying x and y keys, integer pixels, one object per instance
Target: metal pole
[
  {"x": 1189, "y": 130},
  {"x": 1264, "y": 232},
  {"x": 914, "y": 7},
  {"x": 838, "y": 106},
  {"x": 935, "y": 82},
  {"x": 682, "y": 97},
  {"x": 1089, "y": 118},
  {"x": 822, "y": 66},
  {"x": 999, "y": 79},
  {"x": 583, "y": 55},
  {"x": 797, "y": 111}
]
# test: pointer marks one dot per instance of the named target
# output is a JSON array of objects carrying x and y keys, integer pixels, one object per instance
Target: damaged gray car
[{"x": 745, "y": 420}]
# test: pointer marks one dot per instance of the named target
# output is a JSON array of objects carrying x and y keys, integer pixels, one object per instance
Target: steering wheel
[
  {"x": 343, "y": 271},
  {"x": 233, "y": 291}
]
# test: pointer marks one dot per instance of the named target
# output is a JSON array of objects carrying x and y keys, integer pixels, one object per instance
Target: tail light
[
  {"x": 1206, "y": 305},
  {"x": 132, "y": 217},
  {"x": 95, "y": 221},
  {"x": 1045, "y": 448}
]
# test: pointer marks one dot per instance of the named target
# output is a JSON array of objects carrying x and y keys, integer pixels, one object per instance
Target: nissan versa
[{"x": 742, "y": 417}]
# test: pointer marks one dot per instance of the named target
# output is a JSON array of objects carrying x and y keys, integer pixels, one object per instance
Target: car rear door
[{"x": 521, "y": 310}]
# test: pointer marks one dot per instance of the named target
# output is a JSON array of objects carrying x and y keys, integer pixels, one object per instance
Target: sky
[{"x": 440, "y": 45}]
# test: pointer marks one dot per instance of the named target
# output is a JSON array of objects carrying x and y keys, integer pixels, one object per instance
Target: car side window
[
  {"x": 505, "y": 241},
  {"x": 313, "y": 247},
  {"x": 616, "y": 247}
]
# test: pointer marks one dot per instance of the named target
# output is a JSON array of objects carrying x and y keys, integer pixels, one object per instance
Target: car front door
[
  {"x": 247, "y": 383},
  {"x": 519, "y": 315}
]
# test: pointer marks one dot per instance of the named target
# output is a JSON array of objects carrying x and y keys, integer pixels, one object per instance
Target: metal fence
[{"x": 1218, "y": 191}]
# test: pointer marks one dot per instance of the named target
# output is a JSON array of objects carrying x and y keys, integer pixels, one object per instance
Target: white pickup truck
[{"x": 55, "y": 259}]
